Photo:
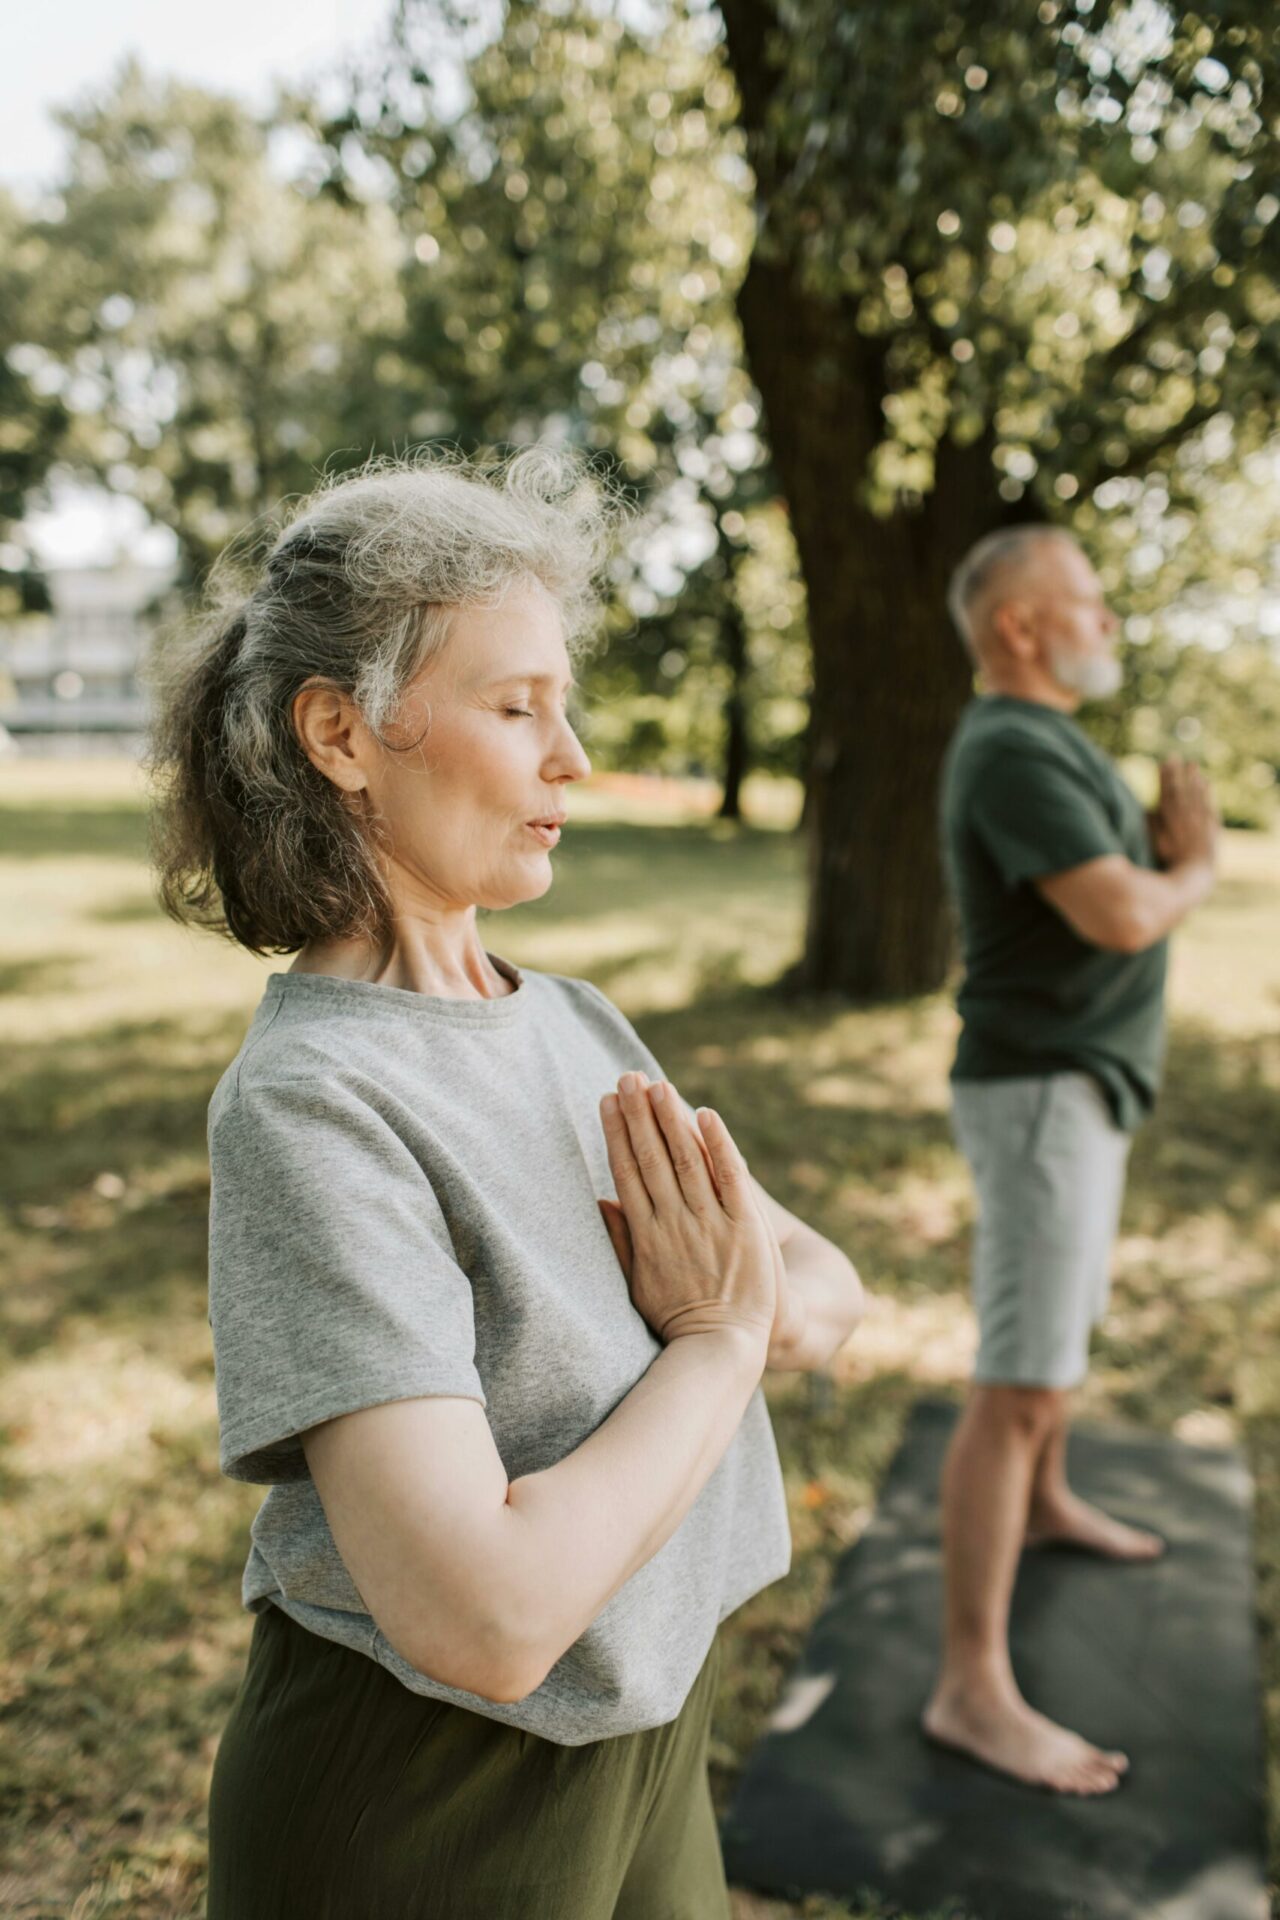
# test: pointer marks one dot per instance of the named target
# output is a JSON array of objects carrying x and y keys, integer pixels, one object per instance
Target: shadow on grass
[
  {"x": 103, "y": 1142},
  {"x": 604, "y": 868},
  {"x": 60, "y": 833},
  {"x": 46, "y": 973},
  {"x": 131, "y": 911},
  {"x": 131, "y": 1102}
]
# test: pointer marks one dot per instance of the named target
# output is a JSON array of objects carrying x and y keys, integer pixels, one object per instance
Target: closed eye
[{"x": 523, "y": 712}]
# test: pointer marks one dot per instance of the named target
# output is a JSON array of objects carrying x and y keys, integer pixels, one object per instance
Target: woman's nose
[{"x": 570, "y": 759}]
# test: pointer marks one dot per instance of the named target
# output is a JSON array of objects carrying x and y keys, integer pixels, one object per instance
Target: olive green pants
[{"x": 339, "y": 1795}]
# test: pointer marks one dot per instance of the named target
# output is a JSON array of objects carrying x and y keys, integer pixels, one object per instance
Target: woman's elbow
[
  {"x": 855, "y": 1300},
  {"x": 503, "y": 1674}
]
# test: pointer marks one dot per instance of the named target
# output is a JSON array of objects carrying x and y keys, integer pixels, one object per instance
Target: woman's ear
[{"x": 331, "y": 734}]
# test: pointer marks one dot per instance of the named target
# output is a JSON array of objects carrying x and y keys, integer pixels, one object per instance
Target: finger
[
  {"x": 684, "y": 1144},
  {"x": 648, "y": 1142},
  {"x": 691, "y": 1116},
  {"x": 627, "y": 1181},
  {"x": 732, "y": 1177},
  {"x": 703, "y": 1147},
  {"x": 619, "y": 1232}
]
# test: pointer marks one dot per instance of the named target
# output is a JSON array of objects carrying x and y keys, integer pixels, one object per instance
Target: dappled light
[{"x": 125, "y": 1540}]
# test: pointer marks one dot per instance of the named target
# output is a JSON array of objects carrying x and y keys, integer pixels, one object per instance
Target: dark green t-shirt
[{"x": 1026, "y": 793}]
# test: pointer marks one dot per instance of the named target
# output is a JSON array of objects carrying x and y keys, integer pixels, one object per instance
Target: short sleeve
[
  {"x": 1035, "y": 814},
  {"x": 332, "y": 1281}
]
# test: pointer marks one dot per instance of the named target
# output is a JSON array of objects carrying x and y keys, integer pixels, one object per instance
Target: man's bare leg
[
  {"x": 986, "y": 1494},
  {"x": 1059, "y": 1515}
]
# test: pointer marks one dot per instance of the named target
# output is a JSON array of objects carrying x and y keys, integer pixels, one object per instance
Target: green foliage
[
  {"x": 1055, "y": 229},
  {"x": 1199, "y": 591},
  {"x": 212, "y": 328},
  {"x": 1058, "y": 224},
  {"x": 575, "y": 234},
  {"x": 32, "y": 419},
  {"x": 1057, "y": 232}
]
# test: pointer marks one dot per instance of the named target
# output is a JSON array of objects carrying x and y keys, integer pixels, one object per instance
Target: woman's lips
[{"x": 547, "y": 834}]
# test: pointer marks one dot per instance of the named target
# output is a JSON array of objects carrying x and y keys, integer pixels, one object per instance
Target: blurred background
[{"x": 830, "y": 291}]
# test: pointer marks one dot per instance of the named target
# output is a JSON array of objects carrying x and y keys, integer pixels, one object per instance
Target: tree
[
  {"x": 1000, "y": 258},
  {"x": 576, "y": 213},
  {"x": 215, "y": 330},
  {"x": 33, "y": 418}
]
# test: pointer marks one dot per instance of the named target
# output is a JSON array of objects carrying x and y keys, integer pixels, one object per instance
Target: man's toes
[{"x": 1097, "y": 1777}]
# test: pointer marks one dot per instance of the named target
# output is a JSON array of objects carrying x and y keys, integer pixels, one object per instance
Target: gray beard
[{"x": 1093, "y": 677}]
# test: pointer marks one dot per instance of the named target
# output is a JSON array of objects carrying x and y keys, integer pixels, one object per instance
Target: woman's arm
[
  {"x": 820, "y": 1297},
  {"x": 484, "y": 1583},
  {"x": 822, "y": 1301}
]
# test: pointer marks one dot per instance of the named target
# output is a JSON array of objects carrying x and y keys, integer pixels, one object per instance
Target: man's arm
[{"x": 1113, "y": 904}]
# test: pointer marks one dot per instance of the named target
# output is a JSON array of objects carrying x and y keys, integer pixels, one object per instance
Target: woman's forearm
[
  {"x": 826, "y": 1304},
  {"x": 576, "y": 1532}
]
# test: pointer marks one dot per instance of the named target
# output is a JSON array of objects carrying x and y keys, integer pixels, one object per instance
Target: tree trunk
[
  {"x": 889, "y": 674},
  {"x": 736, "y": 742}
]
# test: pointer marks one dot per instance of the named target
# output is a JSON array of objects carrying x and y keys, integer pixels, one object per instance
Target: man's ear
[{"x": 1012, "y": 624}]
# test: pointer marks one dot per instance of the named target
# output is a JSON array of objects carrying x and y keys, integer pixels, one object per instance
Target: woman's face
[{"x": 495, "y": 755}]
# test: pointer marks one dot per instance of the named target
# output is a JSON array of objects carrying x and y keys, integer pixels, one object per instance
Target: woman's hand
[{"x": 696, "y": 1251}]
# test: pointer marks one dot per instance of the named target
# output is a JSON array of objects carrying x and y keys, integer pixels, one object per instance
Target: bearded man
[{"x": 1066, "y": 892}]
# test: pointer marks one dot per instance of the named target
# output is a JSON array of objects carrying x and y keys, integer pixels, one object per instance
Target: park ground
[{"x": 123, "y": 1638}]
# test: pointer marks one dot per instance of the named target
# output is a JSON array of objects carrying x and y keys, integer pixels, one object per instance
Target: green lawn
[{"x": 123, "y": 1635}]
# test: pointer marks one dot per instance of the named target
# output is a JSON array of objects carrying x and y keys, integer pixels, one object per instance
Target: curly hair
[{"x": 359, "y": 591}]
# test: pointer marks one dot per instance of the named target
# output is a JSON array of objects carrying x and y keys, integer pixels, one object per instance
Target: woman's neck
[{"x": 448, "y": 964}]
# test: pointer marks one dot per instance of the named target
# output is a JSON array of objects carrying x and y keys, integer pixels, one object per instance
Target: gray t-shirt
[{"x": 404, "y": 1203}]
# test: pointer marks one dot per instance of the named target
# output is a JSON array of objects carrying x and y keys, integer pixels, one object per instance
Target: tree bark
[
  {"x": 889, "y": 674},
  {"x": 737, "y": 745}
]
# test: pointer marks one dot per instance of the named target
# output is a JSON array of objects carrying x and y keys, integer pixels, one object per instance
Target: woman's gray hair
[{"x": 359, "y": 591}]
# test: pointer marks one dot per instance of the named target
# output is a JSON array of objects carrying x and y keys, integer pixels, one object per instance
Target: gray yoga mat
[{"x": 843, "y": 1795}]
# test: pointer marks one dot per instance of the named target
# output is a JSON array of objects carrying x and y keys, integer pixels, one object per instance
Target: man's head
[{"x": 1030, "y": 609}]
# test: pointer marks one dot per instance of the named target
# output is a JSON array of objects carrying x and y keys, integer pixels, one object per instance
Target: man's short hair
[{"x": 982, "y": 566}]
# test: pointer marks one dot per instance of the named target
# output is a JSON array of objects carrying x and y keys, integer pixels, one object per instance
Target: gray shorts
[{"x": 1048, "y": 1165}]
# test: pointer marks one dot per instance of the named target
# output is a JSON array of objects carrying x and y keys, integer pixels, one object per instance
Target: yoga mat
[{"x": 844, "y": 1796}]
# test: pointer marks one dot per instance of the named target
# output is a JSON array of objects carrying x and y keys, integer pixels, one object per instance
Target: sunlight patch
[{"x": 95, "y": 1404}]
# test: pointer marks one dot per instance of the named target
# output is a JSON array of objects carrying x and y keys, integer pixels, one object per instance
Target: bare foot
[
  {"x": 1072, "y": 1522},
  {"x": 1003, "y": 1732}
]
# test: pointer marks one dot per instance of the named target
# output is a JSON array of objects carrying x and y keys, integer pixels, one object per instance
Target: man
[{"x": 1066, "y": 893}]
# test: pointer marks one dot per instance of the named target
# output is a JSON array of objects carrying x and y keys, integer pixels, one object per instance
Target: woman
[{"x": 519, "y": 1464}]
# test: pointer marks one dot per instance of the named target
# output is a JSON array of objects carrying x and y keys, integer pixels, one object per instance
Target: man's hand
[{"x": 1184, "y": 826}]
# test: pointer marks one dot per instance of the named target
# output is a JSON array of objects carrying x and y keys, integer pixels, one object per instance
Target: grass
[{"x": 122, "y": 1547}]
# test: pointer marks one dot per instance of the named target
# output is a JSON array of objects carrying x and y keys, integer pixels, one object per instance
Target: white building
[{"x": 69, "y": 679}]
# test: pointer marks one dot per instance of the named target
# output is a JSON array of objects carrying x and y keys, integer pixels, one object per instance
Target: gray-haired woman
[{"x": 520, "y": 1465}]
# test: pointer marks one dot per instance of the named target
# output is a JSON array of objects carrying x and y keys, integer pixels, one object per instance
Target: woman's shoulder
[
  {"x": 586, "y": 1009},
  {"x": 580, "y": 998},
  {"x": 289, "y": 1044}
]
